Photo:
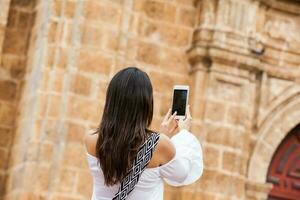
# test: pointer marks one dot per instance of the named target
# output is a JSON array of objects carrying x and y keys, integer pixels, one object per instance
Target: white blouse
[{"x": 184, "y": 168}]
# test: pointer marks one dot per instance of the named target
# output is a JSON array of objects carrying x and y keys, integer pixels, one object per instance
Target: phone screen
[{"x": 179, "y": 101}]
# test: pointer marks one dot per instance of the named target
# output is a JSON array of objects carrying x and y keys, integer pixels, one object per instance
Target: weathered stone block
[
  {"x": 225, "y": 136},
  {"x": 63, "y": 58},
  {"x": 54, "y": 105},
  {"x": 23, "y": 3},
  {"x": 172, "y": 59},
  {"x": 92, "y": 36},
  {"x": 238, "y": 116},
  {"x": 217, "y": 182},
  {"x": 50, "y": 56},
  {"x": 31, "y": 153},
  {"x": 59, "y": 196},
  {"x": 83, "y": 186},
  {"x": 165, "y": 82},
  {"x": 187, "y": 17},
  {"x": 43, "y": 175},
  {"x": 6, "y": 137},
  {"x": 67, "y": 180},
  {"x": 212, "y": 157},
  {"x": 148, "y": 53},
  {"x": 111, "y": 42},
  {"x": 25, "y": 20},
  {"x": 75, "y": 155},
  {"x": 107, "y": 13},
  {"x": 94, "y": 62},
  {"x": 46, "y": 152},
  {"x": 56, "y": 7},
  {"x": 75, "y": 133},
  {"x": 215, "y": 111},
  {"x": 81, "y": 85},
  {"x": 168, "y": 34},
  {"x": 52, "y": 32},
  {"x": 7, "y": 114},
  {"x": 3, "y": 158},
  {"x": 13, "y": 18},
  {"x": 101, "y": 93},
  {"x": 69, "y": 10},
  {"x": 235, "y": 163},
  {"x": 159, "y": 10},
  {"x": 190, "y": 3},
  {"x": 15, "y": 41},
  {"x": 80, "y": 108},
  {"x": 58, "y": 77},
  {"x": 2, "y": 182},
  {"x": 8, "y": 90}
]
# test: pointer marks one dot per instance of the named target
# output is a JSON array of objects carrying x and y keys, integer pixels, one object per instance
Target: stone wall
[
  {"x": 248, "y": 65},
  {"x": 74, "y": 51},
  {"x": 5, "y": 106},
  {"x": 16, "y": 21},
  {"x": 242, "y": 66}
]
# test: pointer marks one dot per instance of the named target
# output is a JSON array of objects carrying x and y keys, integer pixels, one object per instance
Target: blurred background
[{"x": 241, "y": 59}]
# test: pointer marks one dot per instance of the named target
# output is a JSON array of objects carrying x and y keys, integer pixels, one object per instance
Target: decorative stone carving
[
  {"x": 274, "y": 93},
  {"x": 288, "y": 6},
  {"x": 281, "y": 28}
]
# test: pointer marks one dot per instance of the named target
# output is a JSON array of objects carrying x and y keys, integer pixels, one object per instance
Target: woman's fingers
[
  {"x": 172, "y": 117},
  {"x": 188, "y": 113},
  {"x": 173, "y": 129},
  {"x": 173, "y": 125},
  {"x": 167, "y": 116}
]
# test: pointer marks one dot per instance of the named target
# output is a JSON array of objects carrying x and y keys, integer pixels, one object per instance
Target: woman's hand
[
  {"x": 169, "y": 124},
  {"x": 187, "y": 122}
]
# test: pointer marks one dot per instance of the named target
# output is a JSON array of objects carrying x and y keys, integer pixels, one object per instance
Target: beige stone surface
[{"x": 240, "y": 58}]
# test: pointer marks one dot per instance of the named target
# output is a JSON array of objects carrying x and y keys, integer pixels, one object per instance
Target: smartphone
[{"x": 180, "y": 100}]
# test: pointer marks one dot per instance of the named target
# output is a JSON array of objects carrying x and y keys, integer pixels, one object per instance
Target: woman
[{"x": 127, "y": 159}]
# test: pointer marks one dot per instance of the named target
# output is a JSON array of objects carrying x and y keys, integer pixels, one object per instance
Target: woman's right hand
[
  {"x": 187, "y": 122},
  {"x": 169, "y": 124}
]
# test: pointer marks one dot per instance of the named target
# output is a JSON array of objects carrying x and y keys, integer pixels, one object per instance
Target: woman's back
[
  {"x": 182, "y": 166},
  {"x": 150, "y": 185}
]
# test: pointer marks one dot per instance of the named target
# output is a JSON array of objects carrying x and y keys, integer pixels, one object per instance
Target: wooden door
[{"x": 284, "y": 170}]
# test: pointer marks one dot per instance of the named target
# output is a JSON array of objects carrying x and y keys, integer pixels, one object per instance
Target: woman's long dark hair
[{"x": 124, "y": 126}]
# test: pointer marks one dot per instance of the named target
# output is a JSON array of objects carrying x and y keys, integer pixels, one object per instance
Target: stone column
[
  {"x": 223, "y": 104},
  {"x": 16, "y": 21},
  {"x": 7, "y": 90},
  {"x": 224, "y": 75},
  {"x": 4, "y": 5}
]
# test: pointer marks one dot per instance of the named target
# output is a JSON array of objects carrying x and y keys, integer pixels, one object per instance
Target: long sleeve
[{"x": 187, "y": 165}]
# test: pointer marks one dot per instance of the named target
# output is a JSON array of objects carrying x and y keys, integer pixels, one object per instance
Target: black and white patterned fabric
[{"x": 143, "y": 157}]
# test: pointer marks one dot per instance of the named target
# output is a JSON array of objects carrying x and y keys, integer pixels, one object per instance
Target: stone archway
[
  {"x": 271, "y": 134},
  {"x": 284, "y": 171}
]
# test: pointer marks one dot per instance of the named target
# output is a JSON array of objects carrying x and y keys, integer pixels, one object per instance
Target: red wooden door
[{"x": 284, "y": 170}]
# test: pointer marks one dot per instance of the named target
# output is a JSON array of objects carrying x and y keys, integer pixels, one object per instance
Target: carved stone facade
[
  {"x": 245, "y": 56},
  {"x": 241, "y": 59}
]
